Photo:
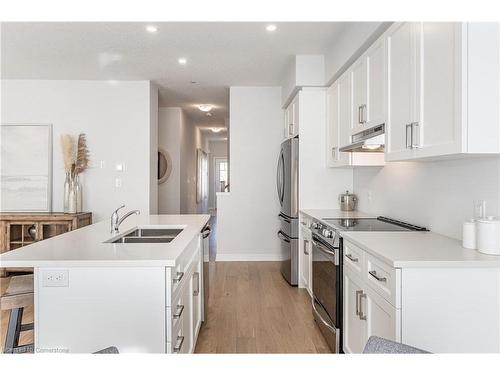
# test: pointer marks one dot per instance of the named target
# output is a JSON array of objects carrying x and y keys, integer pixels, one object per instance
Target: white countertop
[
  {"x": 86, "y": 247},
  {"x": 419, "y": 249},
  {"x": 410, "y": 249}
]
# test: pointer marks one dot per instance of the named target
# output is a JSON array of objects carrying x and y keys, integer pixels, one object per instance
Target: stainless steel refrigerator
[{"x": 287, "y": 183}]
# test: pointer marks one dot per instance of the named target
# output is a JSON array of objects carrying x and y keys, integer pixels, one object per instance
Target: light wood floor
[{"x": 253, "y": 310}]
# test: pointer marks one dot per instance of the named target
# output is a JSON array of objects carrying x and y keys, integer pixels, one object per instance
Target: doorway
[{"x": 221, "y": 176}]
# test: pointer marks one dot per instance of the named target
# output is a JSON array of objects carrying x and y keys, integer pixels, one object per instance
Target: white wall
[
  {"x": 153, "y": 149},
  {"x": 116, "y": 118},
  {"x": 218, "y": 149},
  {"x": 319, "y": 186},
  {"x": 247, "y": 217},
  {"x": 170, "y": 123},
  {"x": 438, "y": 195},
  {"x": 303, "y": 70}
]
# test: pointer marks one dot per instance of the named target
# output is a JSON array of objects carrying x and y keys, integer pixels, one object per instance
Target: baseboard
[{"x": 255, "y": 257}]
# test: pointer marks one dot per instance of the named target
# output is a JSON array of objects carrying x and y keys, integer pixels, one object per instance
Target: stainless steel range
[{"x": 327, "y": 254}]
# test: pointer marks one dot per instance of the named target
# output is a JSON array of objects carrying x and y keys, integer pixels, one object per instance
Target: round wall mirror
[{"x": 164, "y": 165}]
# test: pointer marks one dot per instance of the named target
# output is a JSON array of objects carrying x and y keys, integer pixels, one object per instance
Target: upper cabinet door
[
  {"x": 332, "y": 98},
  {"x": 375, "y": 68},
  {"x": 345, "y": 118},
  {"x": 439, "y": 129},
  {"x": 359, "y": 94},
  {"x": 401, "y": 90}
]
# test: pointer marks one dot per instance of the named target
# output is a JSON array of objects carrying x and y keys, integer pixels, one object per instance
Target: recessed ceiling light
[
  {"x": 182, "y": 61},
  {"x": 271, "y": 27},
  {"x": 205, "y": 107},
  {"x": 216, "y": 130},
  {"x": 151, "y": 29}
]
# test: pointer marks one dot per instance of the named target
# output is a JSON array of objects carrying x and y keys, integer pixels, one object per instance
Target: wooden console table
[{"x": 23, "y": 228}]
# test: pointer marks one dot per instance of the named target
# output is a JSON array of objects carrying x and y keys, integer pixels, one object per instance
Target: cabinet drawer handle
[
  {"x": 180, "y": 309},
  {"x": 358, "y": 293},
  {"x": 196, "y": 292},
  {"x": 360, "y": 120},
  {"x": 378, "y": 278},
  {"x": 179, "y": 277},
  {"x": 363, "y": 118},
  {"x": 408, "y": 126},
  {"x": 351, "y": 258},
  {"x": 415, "y": 135},
  {"x": 361, "y": 315},
  {"x": 306, "y": 242},
  {"x": 178, "y": 344}
]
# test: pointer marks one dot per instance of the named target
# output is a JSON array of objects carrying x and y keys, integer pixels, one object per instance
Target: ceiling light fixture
[
  {"x": 182, "y": 61},
  {"x": 271, "y": 28},
  {"x": 205, "y": 107},
  {"x": 151, "y": 29}
]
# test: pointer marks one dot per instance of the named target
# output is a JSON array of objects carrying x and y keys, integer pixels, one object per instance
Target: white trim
[{"x": 246, "y": 257}]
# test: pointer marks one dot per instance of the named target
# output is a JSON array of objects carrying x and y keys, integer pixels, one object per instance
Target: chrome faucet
[{"x": 116, "y": 220}]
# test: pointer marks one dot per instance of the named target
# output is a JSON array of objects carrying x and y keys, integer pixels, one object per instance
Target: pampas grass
[
  {"x": 68, "y": 149},
  {"x": 82, "y": 154}
]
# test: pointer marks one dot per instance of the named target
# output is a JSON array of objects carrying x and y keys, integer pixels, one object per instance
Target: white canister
[
  {"x": 469, "y": 235},
  {"x": 488, "y": 235}
]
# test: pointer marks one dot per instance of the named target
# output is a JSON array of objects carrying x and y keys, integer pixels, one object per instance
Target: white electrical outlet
[
  {"x": 118, "y": 182},
  {"x": 369, "y": 196},
  {"x": 55, "y": 278}
]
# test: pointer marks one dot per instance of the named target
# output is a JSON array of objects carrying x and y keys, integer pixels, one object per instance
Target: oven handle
[
  {"x": 322, "y": 319},
  {"x": 323, "y": 248}
]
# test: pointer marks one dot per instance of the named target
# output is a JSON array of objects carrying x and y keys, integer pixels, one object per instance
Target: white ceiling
[{"x": 219, "y": 54}]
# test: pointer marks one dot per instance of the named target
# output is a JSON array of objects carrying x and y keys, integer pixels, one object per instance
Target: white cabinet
[
  {"x": 437, "y": 90},
  {"x": 185, "y": 300},
  {"x": 359, "y": 94},
  {"x": 371, "y": 299},
  {"x": 401, "y": 90},
  {"x": 340, "y": 126},
  {"x": 291, "y": 127},
  {"x": 368, "y": 88},
  {"x": 354, "y": 326},
  {"x": 375, "y": 81},
  {"x": 305, "y": 260}
]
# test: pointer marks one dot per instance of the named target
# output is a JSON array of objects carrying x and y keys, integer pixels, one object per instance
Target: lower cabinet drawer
[
  {"x": 383, "y": 279},
  {"x": 354, "y": 257}
]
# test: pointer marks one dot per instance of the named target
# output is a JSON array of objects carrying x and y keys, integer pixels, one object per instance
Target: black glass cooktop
[{"x": 379, "y": 224}]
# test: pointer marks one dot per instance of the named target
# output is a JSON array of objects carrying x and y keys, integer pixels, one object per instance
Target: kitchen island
[{"x": 142, "y": 296}]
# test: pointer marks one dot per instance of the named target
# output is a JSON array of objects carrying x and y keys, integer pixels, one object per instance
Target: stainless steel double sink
[{"x": 147, "y": 235}]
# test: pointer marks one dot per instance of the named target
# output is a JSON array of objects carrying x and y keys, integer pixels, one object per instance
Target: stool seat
[{"x": 16, "y": 294}]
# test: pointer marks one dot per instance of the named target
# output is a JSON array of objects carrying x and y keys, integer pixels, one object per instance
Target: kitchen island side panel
[{"x": 101, "y": 307}]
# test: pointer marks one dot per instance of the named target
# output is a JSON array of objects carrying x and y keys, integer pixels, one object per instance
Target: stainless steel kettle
[{"x": 347, "y": 201}]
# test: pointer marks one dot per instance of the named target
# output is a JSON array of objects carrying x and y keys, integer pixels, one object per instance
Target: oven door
[{"x": 327, "y": 279}]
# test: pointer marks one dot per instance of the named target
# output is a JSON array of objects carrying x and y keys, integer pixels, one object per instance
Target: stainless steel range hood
[{"x": 370, "y": 140}]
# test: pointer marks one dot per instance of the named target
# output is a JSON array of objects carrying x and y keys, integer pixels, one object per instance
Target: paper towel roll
[{"x": 469, "y": 235}]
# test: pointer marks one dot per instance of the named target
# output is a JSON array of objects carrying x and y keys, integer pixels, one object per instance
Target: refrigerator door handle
[{"x": 279, "y": 177}]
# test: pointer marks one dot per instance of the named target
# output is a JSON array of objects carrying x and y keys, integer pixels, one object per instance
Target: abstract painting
[{"x": 25, "y": 168}]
